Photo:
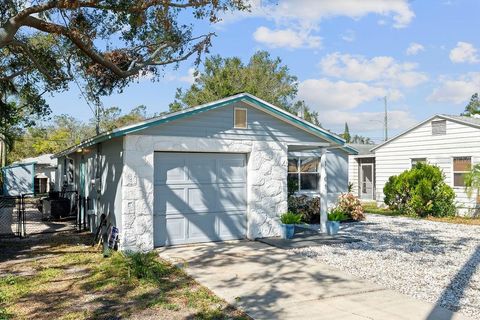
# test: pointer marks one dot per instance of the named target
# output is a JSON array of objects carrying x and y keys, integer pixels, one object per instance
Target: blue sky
[{"x": 347, "y": 54}]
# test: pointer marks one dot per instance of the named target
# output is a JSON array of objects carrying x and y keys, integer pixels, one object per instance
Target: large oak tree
[{"x": 104, "y": 44}]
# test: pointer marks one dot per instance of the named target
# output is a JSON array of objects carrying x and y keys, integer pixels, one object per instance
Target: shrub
[
  {"x": 307, "y": 207},
  {"x": 420, "y": 191},
  {"x": 337, "y": 215},
  {"x": 351, "y": 206},
  {"x": 290, "y": 218}
]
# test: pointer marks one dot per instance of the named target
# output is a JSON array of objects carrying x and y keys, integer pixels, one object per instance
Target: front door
[{"x": 366, "y": 182}]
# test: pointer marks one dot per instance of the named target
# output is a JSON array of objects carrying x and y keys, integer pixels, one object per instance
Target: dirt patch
[{"x": 60, "y": 276}]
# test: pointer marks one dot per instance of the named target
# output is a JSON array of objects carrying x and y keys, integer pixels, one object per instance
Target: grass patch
[
  {"x": 62, "y": 278},
  {"x": 371, "y": 207}
]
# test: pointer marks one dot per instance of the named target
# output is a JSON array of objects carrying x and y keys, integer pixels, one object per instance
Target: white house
[
  {"x": 451, "y": 142},
  {"x": 361, "y": 172},
  {"x": 214, "y": 172},
  {"x": 30, "y": 175}
]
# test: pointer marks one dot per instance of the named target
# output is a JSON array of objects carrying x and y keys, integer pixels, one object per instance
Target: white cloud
[
  {"x": 305, "y": 16},
  {"x": 464, "y": 52},
  {"x": 380, "y": 69},
  {"x": 189, "y": 78},
  {"x": 414, "y": 49},
  {"x": 313, "y": 11},
  {"x": 286, "y": 38},
  {"x": 366, "y": 121},
  {"x": 348, "y": 36},
  {"x": 323, "y": 94},
  {"x": 456, "y": 91}
]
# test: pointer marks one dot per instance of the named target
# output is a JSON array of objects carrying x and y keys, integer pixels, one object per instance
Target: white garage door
[{"x": 199, "y": 197}]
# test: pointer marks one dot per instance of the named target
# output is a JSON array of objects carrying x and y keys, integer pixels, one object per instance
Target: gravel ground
[{"x": 432, "y": 261}]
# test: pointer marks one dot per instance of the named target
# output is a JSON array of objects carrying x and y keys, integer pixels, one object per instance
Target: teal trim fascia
[
  {"x": 200, "y": 109},
  {"x": 350, "y": 150},
  {"x": 19, "y": 165}
]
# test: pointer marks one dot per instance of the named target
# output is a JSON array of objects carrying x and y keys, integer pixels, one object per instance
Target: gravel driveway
[{"x": 432, "y": 261}]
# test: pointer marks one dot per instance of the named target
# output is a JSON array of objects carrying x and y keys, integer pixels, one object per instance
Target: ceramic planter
[
  {"x": 288, "y": 231},
  {"x": 333, "y": 227}
]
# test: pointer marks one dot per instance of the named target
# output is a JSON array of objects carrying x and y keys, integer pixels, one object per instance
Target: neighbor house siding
[
  {"x": 395, "y": 157},
  {"x": 218, "y": 124},
  {"x": 353, "y": 168}
]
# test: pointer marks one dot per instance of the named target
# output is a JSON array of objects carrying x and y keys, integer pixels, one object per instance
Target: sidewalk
[{"x": 270, "y": 283}]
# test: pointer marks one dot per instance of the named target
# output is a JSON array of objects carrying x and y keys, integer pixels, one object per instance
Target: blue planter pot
[
  {"x": 333, "y": 227},
  {"x": 288, "y": 230}
]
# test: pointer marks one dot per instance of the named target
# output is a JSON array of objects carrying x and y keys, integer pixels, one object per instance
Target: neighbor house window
[
  {"x": 240, "y": 118},
  {"x": 439, "y": 127},
  {"x": 303, "y": 173},
  {"x": 461, "y": 165},
  {"x": 40, "y": 184},
  {"x": 418, "y": 160}
]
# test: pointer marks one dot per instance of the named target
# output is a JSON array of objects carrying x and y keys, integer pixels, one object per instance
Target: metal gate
[{"x": 30, "y": 214}]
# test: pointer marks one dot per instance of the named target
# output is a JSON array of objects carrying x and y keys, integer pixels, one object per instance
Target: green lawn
[
  {"x": 61, "y": 277},
  {"x": 371, "y": 207}
]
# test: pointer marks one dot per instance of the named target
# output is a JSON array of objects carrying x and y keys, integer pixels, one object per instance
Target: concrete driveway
[{"x": 271, "y": 283}]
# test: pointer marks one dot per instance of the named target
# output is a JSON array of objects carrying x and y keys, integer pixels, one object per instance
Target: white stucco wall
[{"x": 266, "y": 183}]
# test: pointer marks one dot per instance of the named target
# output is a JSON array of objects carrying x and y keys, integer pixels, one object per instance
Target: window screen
[
  {"x": 439, "y": 127},
  {"x": 418, "y": 160},
  {"x": 240, "y": 118},
  {"x": 461, "y": 165},
  {"x": 303, "y": 173}
]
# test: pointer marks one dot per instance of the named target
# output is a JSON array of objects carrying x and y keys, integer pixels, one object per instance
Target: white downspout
[{"x": 323, "y": 191}]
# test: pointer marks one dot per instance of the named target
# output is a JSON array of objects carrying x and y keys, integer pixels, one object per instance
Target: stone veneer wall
[{"x": 266, "y": 183}]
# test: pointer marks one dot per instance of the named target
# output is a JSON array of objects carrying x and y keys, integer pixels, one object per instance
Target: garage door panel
[
  {"x": 170, "y": 171},
  {"x": 202, "y": 199},
  {"x": 232, "y": 198},
  {"x": 231, "y": 226},
  {"x": 199, "y": 197},
  {"x": 201, "y": 227},
  {"x": 202, "y": 170},
  {"x": 170, "y": 199},
  {"x": 231, "y": 170}
]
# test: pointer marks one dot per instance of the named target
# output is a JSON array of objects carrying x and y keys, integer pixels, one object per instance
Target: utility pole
[
  {"x": 385, "y": 120},
  {"x": 97, "y": 118}
]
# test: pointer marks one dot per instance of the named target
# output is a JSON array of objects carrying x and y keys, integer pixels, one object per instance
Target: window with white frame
[
  {"x": 303, "y": 173},
  {"x": 461, "y": 165},
  {"x": 240, "y": 118},
  {"x": 418, "y": 160}
]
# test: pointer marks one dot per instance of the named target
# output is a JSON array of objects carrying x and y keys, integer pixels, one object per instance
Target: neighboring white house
[
  {"x": 30, "y": 175},
  {"x": 361, "y": 172},
  {"x": 451, "y": 142},
  {"x": 210, "y": 173}
]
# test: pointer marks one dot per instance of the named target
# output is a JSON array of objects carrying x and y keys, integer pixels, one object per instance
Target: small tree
[
  {"x": 420, "y": 191},
  {"x": 472, "y": 182},
  {"x": 346, "y": 133},
  {"x": 473, "y": 107}
]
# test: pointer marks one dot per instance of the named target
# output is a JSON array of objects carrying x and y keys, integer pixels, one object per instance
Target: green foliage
[
  {"x": 473, "y": 107},
  {"x": 307, "y": 207},
  {"x": 65, "y": 131},
  {"x": 350, "y": 205},
  {"x": 346, "y": 134},
  {"x": 336, "y": 214},
  {"x": 101, "y": 45},
  {"x": 472, "y": 181},
  {"x": 420, "y": 191},
  {"x": 262, "y": 76},
  {"x": 290, "y": 218},
  {"x": 360, "y": 139}
]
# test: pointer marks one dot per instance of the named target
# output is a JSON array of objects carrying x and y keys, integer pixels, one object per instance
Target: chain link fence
[{"x": 30, "y": 214}]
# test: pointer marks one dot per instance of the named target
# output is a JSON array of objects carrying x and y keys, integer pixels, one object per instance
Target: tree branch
[
  {"x": 31, "y": 56},
  {"x": 14, "y": 74}
]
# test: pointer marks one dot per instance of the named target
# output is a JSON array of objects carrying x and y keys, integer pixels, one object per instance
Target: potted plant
[
  {"x": 334, "y": 217},
  {"x": 288, "y": 221}
]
